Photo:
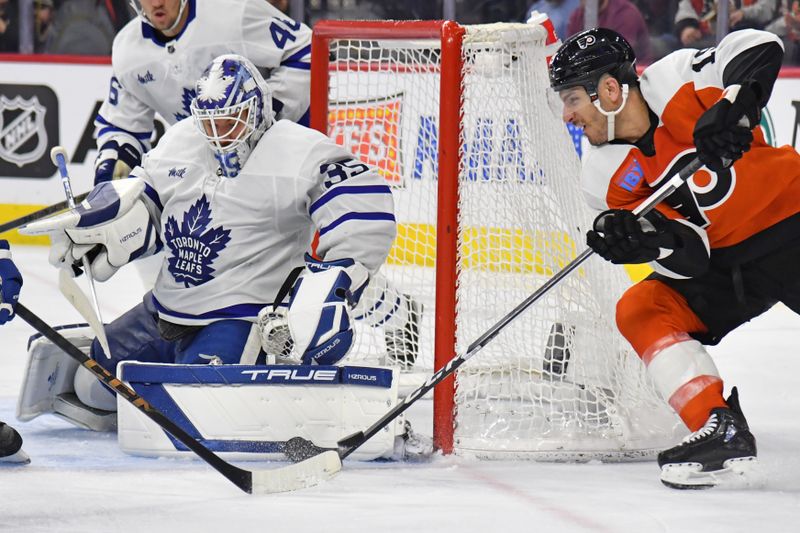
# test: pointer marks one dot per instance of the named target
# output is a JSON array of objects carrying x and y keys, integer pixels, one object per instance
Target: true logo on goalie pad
[{"x": 287, "y": 375}]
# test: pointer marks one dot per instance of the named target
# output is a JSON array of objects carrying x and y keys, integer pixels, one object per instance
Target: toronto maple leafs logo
[
  {"x": 194, "y": 244},
  {"x": 214, "y": 86},
  {"x": 186, "y": 101}
]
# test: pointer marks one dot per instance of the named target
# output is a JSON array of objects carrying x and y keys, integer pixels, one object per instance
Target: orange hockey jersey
[{"x": 737, "y": 210}]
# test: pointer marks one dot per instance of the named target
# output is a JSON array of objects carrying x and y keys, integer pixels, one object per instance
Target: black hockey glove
[
  {"x": 719, "y": 135},
  {"x": 622, "y": 238}
]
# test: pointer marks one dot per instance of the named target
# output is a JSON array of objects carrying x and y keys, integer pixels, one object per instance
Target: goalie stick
[
  {"x": 76, "y": 297},
  {"x": 304, "y": 451},
  {"x": 309, "y": 472},
  {"x": 41, "y": 213},
  {"x": 59, "y": 157}
]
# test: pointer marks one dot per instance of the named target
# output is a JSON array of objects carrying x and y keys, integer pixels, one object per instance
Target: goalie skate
[{"x": 720, "y": 454}]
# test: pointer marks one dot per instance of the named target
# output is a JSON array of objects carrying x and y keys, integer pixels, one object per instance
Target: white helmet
[{"x": 232, "y": 109}]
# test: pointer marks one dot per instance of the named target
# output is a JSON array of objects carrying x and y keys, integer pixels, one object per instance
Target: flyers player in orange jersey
[{"x": 723, "y": 246}]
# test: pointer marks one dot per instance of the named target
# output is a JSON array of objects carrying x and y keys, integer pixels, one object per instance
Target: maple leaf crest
[
  {"x": 186, "y": 101},
  {"x": 194, "y": 245},
  {"x": 214, "y": 87}
]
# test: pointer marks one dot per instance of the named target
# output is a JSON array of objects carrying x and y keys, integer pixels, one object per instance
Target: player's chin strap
[
  {"x": 175, "y": 24},
  {"x": 610, "y": 115}
]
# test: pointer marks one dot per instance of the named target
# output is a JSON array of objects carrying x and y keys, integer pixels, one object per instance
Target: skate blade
[
  {"x": 15, "y": 459},
  {"x": 735, "y": 474}
]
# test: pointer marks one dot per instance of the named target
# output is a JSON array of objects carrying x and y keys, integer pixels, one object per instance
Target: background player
[
  {"x": 723, "y": 246},
  {"x": 234, "y": 199},
  {"x": 158, "y": 57},
  {"x": 10, "y": 284}
]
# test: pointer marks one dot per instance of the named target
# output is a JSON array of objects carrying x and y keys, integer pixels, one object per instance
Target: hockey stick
[
  {"x": 41, "y": 213},
  {"x": 303, "y": 474},
  {"x": 349, "y": 444},
  {"x": 76, "y": 297},
  {"x": 59, "y": 157}
]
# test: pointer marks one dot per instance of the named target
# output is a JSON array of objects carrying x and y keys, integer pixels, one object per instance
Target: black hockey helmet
[{"x": 586, "y": 56}]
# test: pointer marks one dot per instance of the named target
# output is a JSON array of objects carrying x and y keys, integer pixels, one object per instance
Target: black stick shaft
[
  {"x": 239, "y": 477},
  {"x": 41, "y": 213}
]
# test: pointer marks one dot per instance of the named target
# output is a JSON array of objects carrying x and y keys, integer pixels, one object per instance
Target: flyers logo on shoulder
[{"x": 28, "y": 128}]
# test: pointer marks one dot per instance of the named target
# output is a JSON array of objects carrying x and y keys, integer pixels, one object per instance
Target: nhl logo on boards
[
  {"x": 28, "y": 128},
  {"x": 586, "y": 42},
  {"x": 23, "y": 138}
]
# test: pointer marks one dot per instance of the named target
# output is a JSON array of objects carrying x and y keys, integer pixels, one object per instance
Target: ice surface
[{"x": 80, "y": 481}]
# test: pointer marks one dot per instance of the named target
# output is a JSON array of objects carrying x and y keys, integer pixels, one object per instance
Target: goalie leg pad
[
  {"x": 68, "y": 407},
  {"x": 50, "y": 372},
  {"x": 92, "y": 393}
]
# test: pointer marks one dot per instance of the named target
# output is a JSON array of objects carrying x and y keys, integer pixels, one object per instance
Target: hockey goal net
[{"x": 459, "y": 121}]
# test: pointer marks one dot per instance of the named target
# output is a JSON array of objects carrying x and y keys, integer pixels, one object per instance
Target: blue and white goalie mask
[{"x": 232, "y": 110}]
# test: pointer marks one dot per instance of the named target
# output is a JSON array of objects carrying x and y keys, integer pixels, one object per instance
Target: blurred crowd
[
  {"x": 657, "y": 27},
  {"x": 653, "y": 27}
]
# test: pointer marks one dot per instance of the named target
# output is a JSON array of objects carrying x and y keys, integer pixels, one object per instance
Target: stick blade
[{"x": 304, "y": 474}]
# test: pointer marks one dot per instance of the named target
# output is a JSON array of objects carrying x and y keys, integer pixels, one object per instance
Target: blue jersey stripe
[
  {"x": 153, "y": 195},
  {"x": 348, "y": 189},
  {"x": 297, "y": 56},
  {"x": 389, "y": 217}
]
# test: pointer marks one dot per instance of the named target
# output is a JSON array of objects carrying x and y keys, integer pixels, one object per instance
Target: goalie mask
[
  {"x": 232, "y": 110},
  {"x": 137, "y": 6}
]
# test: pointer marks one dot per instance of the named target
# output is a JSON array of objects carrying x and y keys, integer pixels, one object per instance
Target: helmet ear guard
[{"x": 586, "y": 56}]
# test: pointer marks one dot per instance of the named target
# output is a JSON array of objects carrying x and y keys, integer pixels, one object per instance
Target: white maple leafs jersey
[
  {"x": 151, "y": 76},
  {"x": 230, "y": 243}
]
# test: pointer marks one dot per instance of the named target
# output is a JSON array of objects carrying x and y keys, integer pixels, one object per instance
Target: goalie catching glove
[
  {"x": 112, "y": 227},
  {"x": 319, "y": 310},
  {"x": 622, "y": 238}
]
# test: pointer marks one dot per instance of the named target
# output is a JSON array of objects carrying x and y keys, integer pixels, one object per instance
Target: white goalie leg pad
[
  {"x": 50, "y": 371},
  {"x": 92, "y": 393},
  {"x": 250, "y": 412}
]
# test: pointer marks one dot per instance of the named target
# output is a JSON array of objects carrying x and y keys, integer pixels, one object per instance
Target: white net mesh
[{"x": 559, "y": 382}]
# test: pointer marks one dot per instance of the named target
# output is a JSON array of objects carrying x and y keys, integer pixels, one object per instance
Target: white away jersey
[
  {"x": 230, "y": 243},
  {"x": 152, "y": 76}
]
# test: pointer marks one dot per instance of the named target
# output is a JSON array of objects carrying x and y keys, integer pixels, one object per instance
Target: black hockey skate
[
  {"x": 11, "y": 447},
  {"x": 402, "y": 345},
  {"x": 721, "y": 453}
]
